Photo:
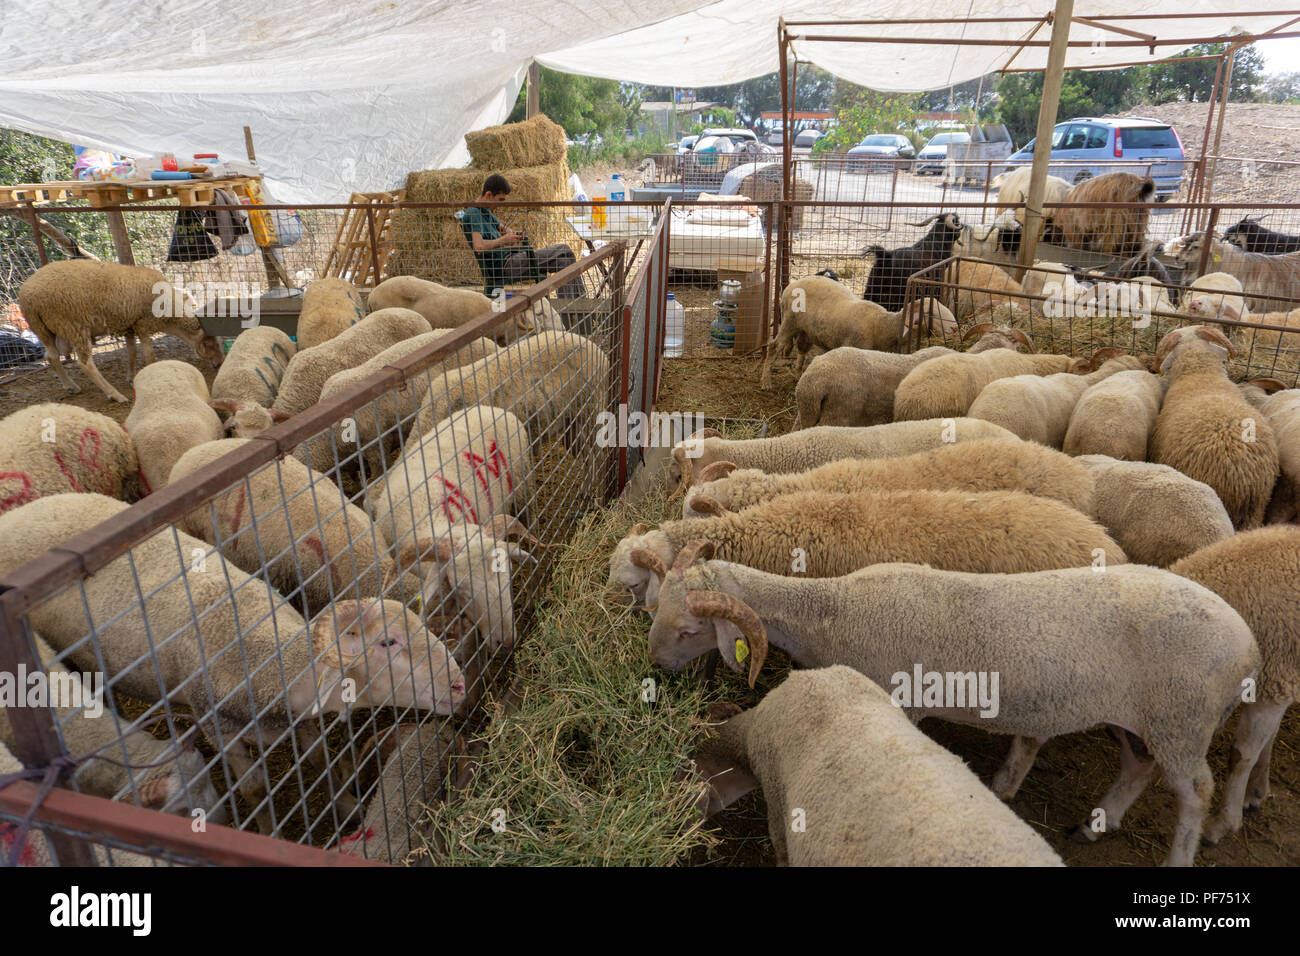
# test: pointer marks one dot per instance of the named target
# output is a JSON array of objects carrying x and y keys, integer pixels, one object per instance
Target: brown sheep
[{"x": 1116, "y": 232}]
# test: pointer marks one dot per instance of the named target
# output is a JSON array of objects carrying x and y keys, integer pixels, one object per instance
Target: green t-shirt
[{"x": 480, "y": 220}]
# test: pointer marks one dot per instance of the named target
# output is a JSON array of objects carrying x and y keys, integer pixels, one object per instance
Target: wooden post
[
  {"x": 534, "y": 89},
  {"x": 1197, "y": 190},
  {"x": 276, "y": 273},
  {"x": 787, "y": 145},
  {"x": 1218, "y": 129},
  {"x": 37, "y": 238},
  {"x": 1052, "y": 78}
]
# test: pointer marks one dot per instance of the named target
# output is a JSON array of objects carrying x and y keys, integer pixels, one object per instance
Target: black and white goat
[{"x": 887, "y": 283}]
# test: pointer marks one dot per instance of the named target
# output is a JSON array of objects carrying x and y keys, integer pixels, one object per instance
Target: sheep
[
  {"x": 310, "y": 368},
  {"x": 1144, "y": 265},
  {"x": 450, "y": 498},
  {"x": 1271, "y": 283},
  {"x": 945, "y": 387},
  {"x": 817, "y": 311},
  {"x": 1000, "y": 239},
  {"x": 256, "y": 656},
  {"x": 811, "y": 447},
  {"x": 293, "y": 524},
  {"x": 855, "y": 387},
  {"x": 1166, "y": 658},
  {"x": 248, "y": 419},
  {"x": 1115, "y": 232},
  {"x": 969, "y": 466},
  {"x": 969, "y": 278},
  {"x": 1013, "y": 187},
  {"x": 1215, "y": 296},
  {"x": 887, "y": 282},
  {"x": 1116, "y": 417},
  {"x": 55, "y": 448},
  {"x": 329, "y": 308},
  {"x": 1249, "y": 235},
  {"x": 373, "y": 426},
  {"x": 1156, "y": 513},
  {"x": 824, "y": 534},
  {"x": 162, "y": 780},
  {"x": 1043, "y": 273},
  {"x": 1258, "y": 573},
  {"x": 254, "y": 367},
  {"x": 1282, "y": 409},
  {"x": 170, "y": 416},
  {"x": 1037, "y": 408},
  {"x": 1280, "y": 332},
  {"x": 1209, "y": 432},
  {"x": 874, "y": 790},
  {"x": 447, "y": 308},
  {"x": 556, "y": 381},
  {"x": 78, "y": 299}
]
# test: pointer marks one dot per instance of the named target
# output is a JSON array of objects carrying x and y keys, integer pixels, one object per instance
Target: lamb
[
  {"x": 78, "y": 299},
  {"x": 1208, "y": 431},
  {"x": 310, "y": 368},
  {"x": 1249, "y": 235},
  {"x": 170, "y": 416},
  {"x": 164, "y": 781},
  {"x": 294, "y": 524},
  {"x": 1013, "y": 187},
  {"x": 855, "y": 387},
  {"x": 945, "y": 387},
  {"x": 374, "y": 425},
  {"x": 1037, "y": 408},
  {"x": 823, "y": 534},
  {"x": 1258, "y": 573},
  {"x": 236, "y": 642},
  {"x": 972, "y": 466},
  {"x": 329, "y": 308},
  {"x": 1116, "y": 417},
  {"x": 450, "y": 498},
  {"x": 1116, "y": 232},
  {"x": 1166, "y": 658},
  {"x": 811, "y": 447},
  {"x": 816, "y": 311},
  {"x": 447, "y": 308},
  {"x": 248, "y": 419},
  {"x": 1283, "y": 412},
  {"x": 254, "y": 367},
  {"x": 1156, "y": 513},
  {"x": 85, "y": 451},
  {"x": 1215, "y": 296},
  {"x": 972, "y": 277},
  {"x": 1271, "y": 283},
  {"x": 875, "y": 791},
  {"x": 887, "y": 282}
]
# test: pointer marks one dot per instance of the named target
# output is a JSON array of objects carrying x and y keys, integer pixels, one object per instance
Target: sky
[{"x": 1281, "y": 56}]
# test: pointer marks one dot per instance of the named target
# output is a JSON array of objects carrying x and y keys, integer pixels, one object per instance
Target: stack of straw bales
[{"x": 532, "y": 155}]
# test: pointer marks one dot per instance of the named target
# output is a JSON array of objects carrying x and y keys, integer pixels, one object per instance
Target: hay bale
[
  {"x": 762, "y": 186},
  {"x": 429, "y": 243},
  {"x": 534, "y": 142}
]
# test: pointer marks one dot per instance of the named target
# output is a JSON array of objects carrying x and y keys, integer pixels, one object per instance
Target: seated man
[{"x": 499, "y": 265}]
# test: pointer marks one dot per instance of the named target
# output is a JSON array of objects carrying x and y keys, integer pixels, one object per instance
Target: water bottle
[
  {"x": 617, "y": 193},
  {"x": 598, "y": 219},
  {"x": 675, "y": 331}
]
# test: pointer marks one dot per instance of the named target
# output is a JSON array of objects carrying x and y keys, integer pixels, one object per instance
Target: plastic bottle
[
  {"x": 598, "y": 218},
  {"x": 617, "y": 193},
  {"x": 675, "y": 328}
]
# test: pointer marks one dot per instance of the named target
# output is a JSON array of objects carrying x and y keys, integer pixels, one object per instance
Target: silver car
[{"x": 935, "y": 153}]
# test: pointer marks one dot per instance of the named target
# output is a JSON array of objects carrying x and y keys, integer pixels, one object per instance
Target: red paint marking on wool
[
  {"x": 239, "y": 512},
  {"x": 91, "y": 462},
  {"x": 8, "y": 833},
  {"x": 21, "y": 497}
]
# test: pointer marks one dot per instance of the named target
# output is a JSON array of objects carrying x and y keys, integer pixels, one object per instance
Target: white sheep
[
  {"x": 254, "y": 367},
  {"x": 256, "y": 656},
  {"x": 979, "y": 287},
  {"x": 1013, "y": 187},
  {"x": 329, "y": 308},
  {"x": 945, "y": 387},
  {"x": 55, "y": 448},
  {"x": 817, "y": 311},
  {"x": 1283, "y": 412},
  {"x": 448, "y": 308},
  {"x": 872, "y": 789},
  {"x": 1208, "y": 431},
  {"x": 1213, "y": 297},
  {"x": 171, "y": 415},
  {"x": 1116, "y": 417},
  {"x": 78, "y": 299},
  {"x": 248, "y": 419},
  {"x": 1156, "y": 513},
  {"x": 811, "y": 447},
  {"x": 1166, "y": 658},
  {"x": 1038, "y": 407},
  {"x": 1270, "y": 282}
]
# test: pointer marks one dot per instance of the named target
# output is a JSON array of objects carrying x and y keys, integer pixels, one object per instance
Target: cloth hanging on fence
[
  {"x": 190, "y": 242},
  {"x": 226, "y": 224}
]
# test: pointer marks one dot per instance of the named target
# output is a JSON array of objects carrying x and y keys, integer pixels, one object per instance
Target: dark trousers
[{"x": 531, "y": 264}]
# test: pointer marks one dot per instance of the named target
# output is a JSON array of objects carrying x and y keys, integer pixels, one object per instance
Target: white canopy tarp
[{"x": 345, "y": 96}]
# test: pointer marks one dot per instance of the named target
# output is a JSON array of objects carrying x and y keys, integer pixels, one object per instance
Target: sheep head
[
  {"x": 639, "y": 563},
  {"x": 998, "y": 336},
  {"x": 1178, "y": 338},
  {"x": 681, "y": 468},
  {"x": 248, "y": 418},
  {"x": 715, "y": 471},
  {"x": 931, "y": 314},
  {"x": 692, "y": 620}
]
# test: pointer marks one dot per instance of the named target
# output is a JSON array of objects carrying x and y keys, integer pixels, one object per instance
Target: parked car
[
  {"x": 775, "y": 136},
  {"x": 686, "y": 143},
  {"x": 935, "y": 153},
  {"x": 807, "y": 137},
  {"x": 881, "y": 146},
  {"x": 1109, "y": 141},
  {"x": 737, "y": 137}
]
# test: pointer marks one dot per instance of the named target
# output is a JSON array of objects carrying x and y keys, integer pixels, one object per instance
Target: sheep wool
[
  {"x": 329, "y": 308},
  {"x": 171, "y": 415},
  {"x": 55, "y": 448},
  {"x": 254, "y": 366},
  {"x": 854, "y": 387},
  {"x": 945, "y": 387},
  {"x": 1116, "y": 417},
  {"x": 448, "y": 308}
]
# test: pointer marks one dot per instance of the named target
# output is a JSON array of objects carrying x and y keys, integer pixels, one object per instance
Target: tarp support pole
[
  {"x": 1052, "y": 78},
  {"x": 534, "y": 89},
  {"x": 1193, "y": 218},
  {"x": 787, "y": 158},
  {"x": 1218, "y": 129}
]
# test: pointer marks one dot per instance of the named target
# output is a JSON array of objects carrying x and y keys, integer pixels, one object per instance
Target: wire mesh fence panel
[
  {"x": 37, "y": 849},
  {"x": 644, "y": 343},
  {"x": 1250, "y": 179},
  {"x": 295, "y": 636}
]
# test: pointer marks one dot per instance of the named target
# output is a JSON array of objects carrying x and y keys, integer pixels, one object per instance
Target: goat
[
  {"x": 1251, "y": 236},
  {"x": 1272, "y": 283},
  {"x": 1115, "y": 232},
  {"x": 887, "y": 283}
]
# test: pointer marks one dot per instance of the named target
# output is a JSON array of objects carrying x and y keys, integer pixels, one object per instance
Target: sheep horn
[
  {"x": 731, "y": 608},
  {"x": 1023, "y": 338},
  {"x": 1215, "y": 336},
  {"x": 503, "y": 526},
  {"x": 1102, "y": 354},
  {"x": 923, "y": 222},
  {"x": 981, "y": 329},
  {"x": 153, "y": 793},
  {"x": 231, "y": 405},
  {"x": 647, "y": 559},
  {"x": 639, "y": 528},
  {"x": 716, "y": 470},
  {"x": 702, "y": 433},
  {"x": 684, "y": 481},
  {"x": 708, "y": 505},
  {"x": 1268, "y": 384},
  {"x": 694, "y": 550}
]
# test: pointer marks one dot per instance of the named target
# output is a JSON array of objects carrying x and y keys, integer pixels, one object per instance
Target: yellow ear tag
[
  {"x": 1218, "y": 258},
  {"x": 742, "y": 650}
]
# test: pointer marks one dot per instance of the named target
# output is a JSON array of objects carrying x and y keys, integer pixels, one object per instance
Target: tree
[
  {"x": 1187, "y": 80},
  {"x": 583, "y": 105},
  {"x": 1281, "y": 88},
  {"x": 1083, "y": 93},
  {"x": 861, "y": 111}
]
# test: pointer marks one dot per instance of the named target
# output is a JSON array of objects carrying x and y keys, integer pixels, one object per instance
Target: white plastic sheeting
[{"x": 346, "y": 96}]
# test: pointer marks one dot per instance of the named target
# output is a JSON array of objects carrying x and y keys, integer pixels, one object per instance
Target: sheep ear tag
[{"x": 742, "y": 650}]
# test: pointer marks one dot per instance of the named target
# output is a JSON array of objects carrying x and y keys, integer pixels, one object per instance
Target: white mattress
[{"x": 697, "y": 246}]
